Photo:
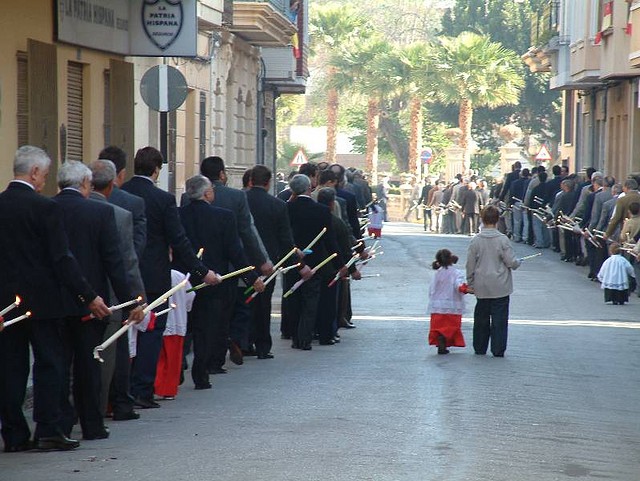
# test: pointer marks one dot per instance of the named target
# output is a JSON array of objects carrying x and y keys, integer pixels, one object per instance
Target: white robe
[
  {"x": 444, "y": 296},
  {"x": 615, "y": 272}
]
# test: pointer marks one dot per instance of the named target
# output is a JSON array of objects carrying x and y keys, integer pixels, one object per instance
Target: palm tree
[
  {"x": 333, "y": 29},
  {"x": 358, "y": 70},
  {"x": 475, "y": 72}
]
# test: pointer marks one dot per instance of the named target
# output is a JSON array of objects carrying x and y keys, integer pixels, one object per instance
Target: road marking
[{"x": 524, "y": 322}]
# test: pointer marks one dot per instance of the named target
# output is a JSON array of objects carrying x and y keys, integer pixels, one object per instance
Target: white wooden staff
[
  {"x": 117, "y": 307},
  {"x": 531, "y": 256},
  {"x": 313, "y": 271},
  {"x": 11, "y": 306},
  {"x": 315, "y": 240},
  {"x": 224, "y": 278},
  {"x": 26, "y": 315},
  {"x": 166, "y": 311},
  {"x": 116, "y": 335},
  {"x": 280, "y": 270},
  {"x": 347, "y": 265},
  {"x": 275, "y": 269}
]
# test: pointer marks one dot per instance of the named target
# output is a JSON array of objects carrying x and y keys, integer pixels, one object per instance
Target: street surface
[{"x": 382, "y": 406}]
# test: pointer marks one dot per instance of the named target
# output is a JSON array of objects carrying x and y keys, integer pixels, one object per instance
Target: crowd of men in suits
[
  {"x": 103, "y": 240},
  {"x": 576, "y": 215}
]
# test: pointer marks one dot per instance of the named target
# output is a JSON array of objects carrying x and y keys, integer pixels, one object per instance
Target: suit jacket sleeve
[
  {"x": 64, "y": 263},
  {"x": 248, "y": 234},
  {"x": 235, "y": 254},
  {"x": 112, "y": 257},
  {"x": 139, "y": 226},
  {"x": 182, "y": 248},
  {"x": 618, "y": 216},
  {"x": 131, "y": 267}
]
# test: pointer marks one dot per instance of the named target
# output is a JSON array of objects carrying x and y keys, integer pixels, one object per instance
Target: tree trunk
[
  {"x": 415, "y": 137},
  {"x": 373, "y": 125},
  {"x": 392, "y": 131},
  {"x": 333, "y": 103},
  {"x": 465, "y": 119}
]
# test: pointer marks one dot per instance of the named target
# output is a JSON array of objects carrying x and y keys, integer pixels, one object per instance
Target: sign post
[
  {"x": 543, "y": 154},
  {"x": 426, "y": 156},
  {"x": 164, "y": 89}
]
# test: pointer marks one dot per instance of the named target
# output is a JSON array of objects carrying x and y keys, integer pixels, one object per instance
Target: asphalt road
[{"x": 381, "y": 405}]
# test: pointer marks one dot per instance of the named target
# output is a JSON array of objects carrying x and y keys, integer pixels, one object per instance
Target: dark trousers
[
  {"x": 490, "y": 321},
  {"x": 241, "y": 316},
  {"x": 210, "y": 332},
  {"x": 345, "y": 313},
  {"x": 119, "y": 391},
  {"x": 303, "y": 307},
  {"x": 327, "y": 311},
  {"x": 427, "y": 219},
  {"x": 143, "y": 368},
  {"x": 79, "y": 340},
  {"x": 470, "y": 223},
  {"x": 286, "y": 321},
  {"x": 261, "y": 320},
  {"x": 45, "y": 337}
]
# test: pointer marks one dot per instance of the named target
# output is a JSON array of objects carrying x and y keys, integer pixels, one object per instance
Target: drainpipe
[{"x": 260, "y": 113}]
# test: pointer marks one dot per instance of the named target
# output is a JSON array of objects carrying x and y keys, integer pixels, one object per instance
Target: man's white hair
[
  {"x": 72, "y": 174},
  {"x": 27, "y": 157}
]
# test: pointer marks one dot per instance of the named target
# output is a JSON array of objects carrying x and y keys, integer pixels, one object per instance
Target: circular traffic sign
[
  {"x": 426, "y": 155},
  {"x": 163, "y": 88}
]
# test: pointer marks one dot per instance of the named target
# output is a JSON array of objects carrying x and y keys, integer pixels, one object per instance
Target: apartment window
[
  {"x": 74, "y": 111},
  {"x": 23, "y": 99},
  {"x": 202, "y": 120},
  {"x": 107, "y": 107},
  {"x": 605, "y": 14}
]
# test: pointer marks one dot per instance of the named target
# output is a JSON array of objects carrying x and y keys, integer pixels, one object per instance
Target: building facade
[{"x": 588, "y": 48}]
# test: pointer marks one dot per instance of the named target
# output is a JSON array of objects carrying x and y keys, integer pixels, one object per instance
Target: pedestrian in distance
[
  {"x": 376, "y": 220},
  {"x": 490, "y": 260},
  {"x": 614, "y": 277},
  {"x": 446, "y": 303}
]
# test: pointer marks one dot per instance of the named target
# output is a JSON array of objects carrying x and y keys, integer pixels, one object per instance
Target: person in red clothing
[{"x": 446, "y": 303}]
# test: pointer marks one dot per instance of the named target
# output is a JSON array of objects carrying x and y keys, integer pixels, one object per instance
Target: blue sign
[{"x": 426, "y": 156}]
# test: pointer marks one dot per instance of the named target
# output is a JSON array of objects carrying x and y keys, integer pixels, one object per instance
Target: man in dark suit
[
  {"x": 36, "y": 264},
  {"x": 215, "y": 230},
  {"x": 94, "y": 242},
  {"x": 307, "y": 219},
  {"x": 124, "y": 199},
  {"x": 272, "y": 221},
  {"x": 239, "y": 315},
  {"x": 471, "y": 202},
  {"x": 116, "y": 367},
  {"x": 164, "y": 230}
]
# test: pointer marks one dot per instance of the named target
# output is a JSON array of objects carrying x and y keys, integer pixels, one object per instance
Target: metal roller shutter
[{"x": 74, "y": 111}]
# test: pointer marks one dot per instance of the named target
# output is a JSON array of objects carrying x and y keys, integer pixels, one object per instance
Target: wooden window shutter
[
  {"x": 121, "y": 104},
  {"x": 23, "y": 99},
  {"x": 75, "y": 120},
  {"x": 42, "y": 81}
]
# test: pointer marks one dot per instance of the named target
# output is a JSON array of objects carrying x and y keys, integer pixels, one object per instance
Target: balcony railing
[
  {"x": 545, "y": 24},
  {"x": 281, "y": 6}
]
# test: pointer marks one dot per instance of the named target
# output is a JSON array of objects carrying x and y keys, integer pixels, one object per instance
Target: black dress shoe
[
  {"x": 306, "y": 347},
  {"x": 330, "y": 342},
  {"x": 101, "y": 434},
  {"x": 265, "y": 356},
  {"x": 295, "y": 345},
  {"x": 285, "y": 337},
  {"x": 217, "y": 370},
  {"x": 56, "y": 443},
  {"x": 128, "y": 416},
  {"x": 336, "y": 339},
  {"x": 200, "y": 387},
  {"x": 498, "y": 355},
  {"x": 348, "y": 325},
  {"x": 249, "y": 352},
  {"x": 146, "y": 403},
  {"x": 18, "y": 448},
  {"x": 235, "y": 354}
]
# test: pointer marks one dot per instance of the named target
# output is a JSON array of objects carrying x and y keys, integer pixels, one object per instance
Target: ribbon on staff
[
  {"x": 313, "y": 271},
  {"x": 127, "y": 324},
  {"x": 224, "y": 278}
]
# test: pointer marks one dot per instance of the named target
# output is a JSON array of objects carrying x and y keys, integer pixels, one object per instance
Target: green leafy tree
[{"x": 475, "y": 72}]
